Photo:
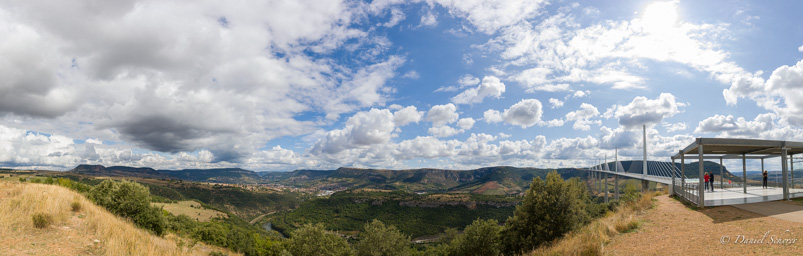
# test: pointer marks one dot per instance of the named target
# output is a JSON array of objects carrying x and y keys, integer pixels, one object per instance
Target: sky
[{"x": 305, "y": 84}]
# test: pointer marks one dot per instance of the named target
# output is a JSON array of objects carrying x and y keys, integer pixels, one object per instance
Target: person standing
[
  {"x": 711, "y": 178},
  {"x": 706, "y": 181},
  {"x": 764, "y": 175}
]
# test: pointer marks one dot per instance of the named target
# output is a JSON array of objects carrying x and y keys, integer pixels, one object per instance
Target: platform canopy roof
[{"x": 730, "y": 148}]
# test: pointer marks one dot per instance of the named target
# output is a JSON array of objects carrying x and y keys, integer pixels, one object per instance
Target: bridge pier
[
  {"x": 616, "y": 186},
  {"x": 645, "y": 186},
  {"x": 606, "y": 187}
]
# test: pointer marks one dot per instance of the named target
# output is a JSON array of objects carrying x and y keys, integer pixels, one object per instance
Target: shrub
[
  {"x": 131, "y": 200},
  {"x": 35, "y": 180},
  {"x": 41, "y": 220},
  {"x": 75, "y": 206},
  {"x": 480, "y": 238},
  {"x": 49, "y": 180},
  {"x": 217, "y": 253},
  {"x": 550, "y": 208},
  {"x": 315, "y": 240},
  {"x": 379, "y": 239},
  {"x": 22, "y": 179}
]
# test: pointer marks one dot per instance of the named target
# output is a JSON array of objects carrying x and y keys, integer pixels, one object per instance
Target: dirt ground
[{"x": 674, "y": 229}]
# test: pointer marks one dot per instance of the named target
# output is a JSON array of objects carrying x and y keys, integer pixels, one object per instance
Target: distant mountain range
[
  {"x": 497, "y": 180},
  {"x": 222, "y": 175}
]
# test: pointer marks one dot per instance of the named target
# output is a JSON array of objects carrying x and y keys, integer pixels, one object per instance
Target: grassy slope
[{"x": 74, "y": 233}]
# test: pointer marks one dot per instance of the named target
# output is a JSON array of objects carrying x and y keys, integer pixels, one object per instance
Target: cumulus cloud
[
  {"x": 670, "y": 127},
  {"x": 490, "y": 87},
  {"x": 121, "y": 73},
  {"x": 644, "y": 111},
  {"x": 362, "y": 129},
  {"x": 443, "y": 131},
  {"x": 441, "y": 115},
  {"x": 465, "y": 123},
  {"x": 729, "y": 126},
  {"x": 556, "y": 103},
  {"x": 407, "y": 115},
  {"x": 525, "y": 113},
  {"x": 582, "y": 117}
]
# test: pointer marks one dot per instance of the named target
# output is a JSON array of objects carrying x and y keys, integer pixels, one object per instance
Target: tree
[
  {"x": 380, "y": 239},
  {"x": 549, "y": 209},
  {"x": 315, "y": 240},
  {"x": 481, "y": 238}
]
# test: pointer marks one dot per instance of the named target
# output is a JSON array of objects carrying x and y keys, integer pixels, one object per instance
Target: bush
[
  {"x": 41, "y": 220},
  {"x": 75, "y": 206},
  {"x": 131, "y": 200},
  {"x": 22, "y": 179},
  {"x": 35, "y": 180},
  {"x": 49, "y": 180},
  {"x": 550, "y": 208}
]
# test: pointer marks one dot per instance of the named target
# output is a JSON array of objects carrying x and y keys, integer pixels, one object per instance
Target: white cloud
[
  {"x": 490, "y": 16},
  {"x": 467, "y": 80},
  {"x": 582, "y": 117},
  {"x": 443, "y": 131},
  {"x": 490, "y": 87},
  {"x": 800, "y": 49},
  {"x": 407, "y": 115},
  {"x": 525, "y": 113},
  {"x": 580, "y": 94},
  {"x": 556, "y": 103},
  {"x": 492, "y": 116},
  {"x": 411, "y": 75},
  {"x": 643, "y": 111},
  {"x": 362, "y": 129},
  {"x": 466, "y": 123},
  {"x": 442, "y": 114},
  {"x": 728, "y": 126},
  {"x": 428, "y": 19},
  {"x": 396, "y": 16},
  {"x": 674, "y": 127}
]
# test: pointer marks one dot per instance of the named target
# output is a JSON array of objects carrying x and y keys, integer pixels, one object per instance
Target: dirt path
[{"x": 673, "y": 229}]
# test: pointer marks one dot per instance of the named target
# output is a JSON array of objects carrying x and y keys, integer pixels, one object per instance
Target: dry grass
[
  {"x": 192, "y": 209},
  {"x": 591, "y": 239},
  {"x": 92, "y": 231}
]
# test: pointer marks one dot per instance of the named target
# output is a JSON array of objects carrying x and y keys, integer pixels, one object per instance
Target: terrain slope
[{"x": 90, "y": 230}]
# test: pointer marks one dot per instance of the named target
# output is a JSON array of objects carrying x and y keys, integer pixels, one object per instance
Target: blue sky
[{"x": 284, "y": 85}]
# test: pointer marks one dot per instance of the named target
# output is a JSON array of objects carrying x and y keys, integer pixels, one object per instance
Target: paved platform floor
[
  {"x": 775, "y": 209},
  {"x": 736, "y": 195}
]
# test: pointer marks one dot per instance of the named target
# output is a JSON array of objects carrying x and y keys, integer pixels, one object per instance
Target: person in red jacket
[{"x": 706, "y": 181}]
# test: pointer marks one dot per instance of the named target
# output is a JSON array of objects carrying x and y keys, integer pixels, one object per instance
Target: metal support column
[
  {"x": 785, "y": 175},
  {"x": 792, "y": 169},
  {"x": 701, "y": 186},
  {"x": 683, "y": 174},
  {"x": 744, "y": 173},
  {"x": 721, "y": 183}
]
